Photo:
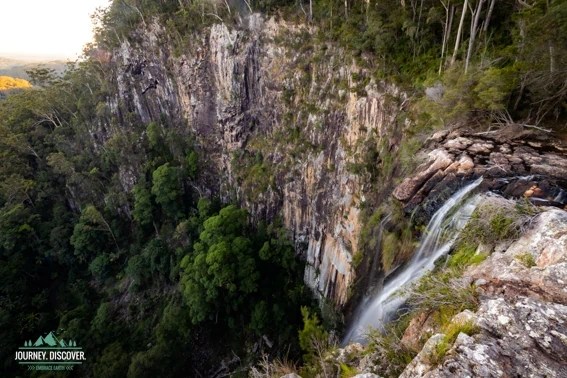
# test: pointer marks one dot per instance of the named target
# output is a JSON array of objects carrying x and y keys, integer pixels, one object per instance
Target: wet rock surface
[{"x": 516, "y": 163}]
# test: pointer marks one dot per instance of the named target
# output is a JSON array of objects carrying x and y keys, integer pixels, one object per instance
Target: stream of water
[{"x": 441, "y": 233}]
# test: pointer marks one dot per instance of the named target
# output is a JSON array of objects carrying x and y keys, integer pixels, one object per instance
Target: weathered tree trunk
[
  {"x": 449, "y": 12},
  {"x": 488, "y": 16},
  {"x": 136, "y": 9},
  {"x": 227, "y": 7},
  {"x": 413, "y": 9},
  {"x": 551, "y": 58},
  {"x": 310, "y": 10},
  {"x": 475, "y": 16},
  {"x": 416, "y": 42},
  {"x": 459, "y": 32},
  {"x": 248, "y": 5}
]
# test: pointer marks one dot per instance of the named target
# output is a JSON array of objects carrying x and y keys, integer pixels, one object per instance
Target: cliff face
[
  {"x": 279, "y": 128},
  {"x": 292, "y": 128}
]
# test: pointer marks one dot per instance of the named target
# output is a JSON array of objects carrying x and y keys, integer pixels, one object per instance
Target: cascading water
[
  {"x": 373, "y": 287},
  {"x": 441, "y": 232},
  {"x": 376, "y": 264}
]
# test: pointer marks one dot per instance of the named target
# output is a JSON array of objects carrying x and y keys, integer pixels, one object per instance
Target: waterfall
[
  {"x": 441, "y": 232},
  {"x": 372, "y": 286}
]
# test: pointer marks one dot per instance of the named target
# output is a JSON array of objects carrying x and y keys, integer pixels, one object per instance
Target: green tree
[
  {"x": 159, "y": 258},
  {"x": 192, "y": 163},
  {"x": 167, "y": 189},
  {"x": 221, "y": 272},
  {"x": 315, "y": 342},
  {"x": 155, "y": 137},
  {"x": 312, "y": 332},
  {"x": 113, "y": 362},
  {"x": 99, "y": 266},
  {"x": 91, "y": 234},
  {"x": 143, "y": 208},
  {"x": 137, "y": 270}
]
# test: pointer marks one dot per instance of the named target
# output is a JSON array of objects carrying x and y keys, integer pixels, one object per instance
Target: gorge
[{"x": 228, "y": 188}]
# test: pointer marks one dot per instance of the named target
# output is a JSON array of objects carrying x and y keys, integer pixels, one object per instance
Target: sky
[{"x": 40, "y": 29}]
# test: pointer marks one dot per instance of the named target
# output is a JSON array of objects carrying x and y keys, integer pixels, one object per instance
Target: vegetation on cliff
[{"x": 147, "y": 277}]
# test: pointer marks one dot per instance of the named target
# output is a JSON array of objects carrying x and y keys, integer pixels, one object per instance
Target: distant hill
[{"x": 17, "y": 67}]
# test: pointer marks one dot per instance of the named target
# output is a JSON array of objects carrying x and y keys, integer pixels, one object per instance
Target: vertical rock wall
[{"x": 306, "y": 109}]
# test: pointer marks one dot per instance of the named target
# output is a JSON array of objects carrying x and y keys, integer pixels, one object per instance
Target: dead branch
[{"x": 503, "y": 118}]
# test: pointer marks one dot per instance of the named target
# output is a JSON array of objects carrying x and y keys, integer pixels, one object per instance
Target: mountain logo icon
[{"x": 50, "y": 340}]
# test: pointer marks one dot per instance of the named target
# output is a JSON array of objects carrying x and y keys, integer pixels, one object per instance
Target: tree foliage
[
  {"x": 82, "y": 255},
  {"x": 166, "y": 189},
  {"x": 7, "y": 83},
  {"x": 221, "y": 272},
  {"x": 143, "y": 207},
  {"x": 90, "y": 235}
]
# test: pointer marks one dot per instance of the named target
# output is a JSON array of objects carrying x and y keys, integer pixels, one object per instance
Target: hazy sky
[{"x": 46, "y": 28}]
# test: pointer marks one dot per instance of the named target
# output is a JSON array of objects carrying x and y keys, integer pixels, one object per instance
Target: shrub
[
  {"x": 451, "y": 331},
  {"x": 443, "y": 290},
  {"x": 465, "y": 255},
  {"x": 312, "y": 333},
  {"x": 389, "y": 250},
  {"x": 496, "y": 220},
  {"x": 526, "y": 259},
  {"x": 392, "y": 355},
  {"x": 315, "y": 341},
  {"x": 275, "y": 368},
  {"x": 347, "y": 371}
]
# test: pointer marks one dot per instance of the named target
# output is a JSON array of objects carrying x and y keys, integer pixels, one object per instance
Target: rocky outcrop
[
  {"x": 520, "y": 326},
  {"x": 515, "y": 162},
  {"x": 511, "y": 273},
  {"x": 279, "y": 124},
  {"x": 522, "y": 317}
]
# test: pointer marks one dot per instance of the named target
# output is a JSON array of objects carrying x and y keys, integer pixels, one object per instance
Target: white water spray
[{"x": 441, "y": 233}]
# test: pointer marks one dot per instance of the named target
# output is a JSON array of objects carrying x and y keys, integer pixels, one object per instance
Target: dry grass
[{"x": 273, "y": 369}]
